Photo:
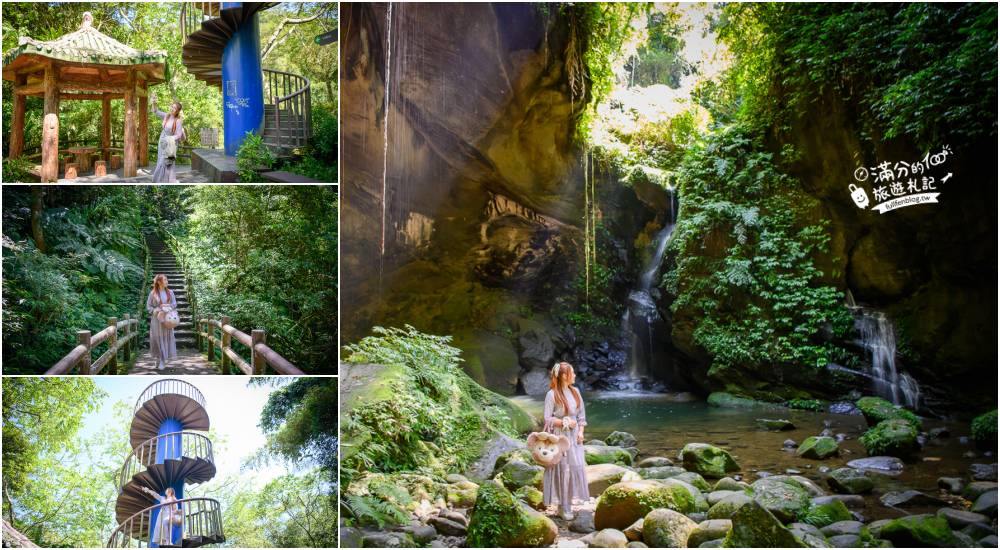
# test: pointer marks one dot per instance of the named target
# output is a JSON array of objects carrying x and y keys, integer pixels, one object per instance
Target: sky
[{"x": 233, "y": 411}]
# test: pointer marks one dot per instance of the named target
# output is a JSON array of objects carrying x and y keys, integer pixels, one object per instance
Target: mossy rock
[
  {"x": 602, "y": 476},
  {"x": 848, "y": 481},
  {"x": 517, "y": 474},
  {"x": 728, "y": 506},
  {"x": 786, "y": 501},
  {"x": 490, "y": 360},
  {"x": 664, "y": 528},
  {"x": 388, "y": 540},
  {"x": 778, "y": 425},
  {"x": 661, "y": 472},
  {"x": 728, "y": 484},
  {"x": 462, "y": 498},
  {"x": 726, "y": 401},
  {"x": 876, "y": 409},
  {"x": 654, "y": 462},
  {"x": 623, "y": 504},
  {"x": 923, "y": 531},
  {"x": 894, "y": 437},
  {"x": 521, "y": 453},
  {"x": 621, "y": 439},
  {"x": 819, "y": 448},
  {"x": 712, "y": 529},
  {"x": 696, "y": 480},
  {"x": 707, "y": 460},
  {"x": 481, "y": 398},
  {"x": 499, "y": 520},
  {"x": 755, "y": 527},
  {"x": 531, "y": 496},
  {"x": 831, "y": 512},
  {"x": 595, "y": 454},
  {"x": 609, "y": 538}
]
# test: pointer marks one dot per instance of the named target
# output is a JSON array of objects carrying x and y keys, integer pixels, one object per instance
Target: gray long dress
[
  {"x": 161, "y": 340},
  {"x": 164, "y": 172},
  {"x": 568, "y": 479}
]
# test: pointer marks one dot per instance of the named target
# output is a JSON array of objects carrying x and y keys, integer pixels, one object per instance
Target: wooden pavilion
[{"x": 96, "y": 67}]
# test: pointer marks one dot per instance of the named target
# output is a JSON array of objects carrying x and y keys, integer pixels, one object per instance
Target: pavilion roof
[{"x": 86, "y": 47}]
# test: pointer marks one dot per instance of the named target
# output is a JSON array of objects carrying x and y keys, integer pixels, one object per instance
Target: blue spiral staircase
[{"x": 167, "y": 451}]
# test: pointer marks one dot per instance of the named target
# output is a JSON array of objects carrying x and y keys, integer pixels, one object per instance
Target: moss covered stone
[
  {"x": 848, "y": 481},
  {"x": 728, "y": 506},
  {"x": 624, "y": 503},
  {"x": 925, "y": 531},
  {"x": 621, "y": 439},
  {"x": 707, "y": 460},
  {"x": 712, "y": 529},
  {"x": 894, "y": 437},
  {"x": 819, "y": 448},
  {"x": 499, "y": 520},
  {"x": 876, "y": 410},
  {"x": 727, "y": 401},
  {"x": 755, "y": 527},
  {"x": 661, "y": 472},
  {"x": 597, "y": 454},
  {"x": 830, "y": 512},
  {"x": 530, "y": 496},
  {"x": 664, "y": 528},
  {"x": 786, "y": 501},
  {"x": 517, "y": 474},
  {"x": 695, "y": 480},
  {"x": 602, "y": 476}
]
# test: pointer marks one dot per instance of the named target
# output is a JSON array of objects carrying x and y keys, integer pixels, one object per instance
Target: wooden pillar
[
  {"x": 131, "y": 139},
  {"x": 83, "y": 338},
  {"x": 197, "y": 333},
  {"x": 105, "y": 127},
  {"x": 257, "y": 360},
  {"x": 144, "y": 124},
  {"x": 112, "y": 344},
  {"x": 50, "y": 130},
  {"x": 226, "y": 342},
  {"x": 17, "y": 119},
  {"x": 127, "y": 336},
  {"x": 210, "y": 331}
]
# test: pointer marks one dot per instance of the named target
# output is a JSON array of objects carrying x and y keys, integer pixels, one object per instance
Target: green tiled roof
[{"x": 86, "y": 45}]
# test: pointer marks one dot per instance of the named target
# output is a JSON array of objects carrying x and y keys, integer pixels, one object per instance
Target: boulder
[
  {"x": 537, "y": 350},
  {"x": 498, "y": 520},
  {"x": 851, "y": 501},
  {"x": 636, "y": 544},
  {"x": 664, "y": 528},
  {"x": 387, "y": 540},
  {"x": 910, "y": 499},
  {"x": 602, "y": 476},
  {"x": 976, "y": 488},
  {"x": 621, "y": 439},
  {"x": 727, "y": 401},
  {"x": 924, "y": 531},
  {"x": 811, "y": 487},
  {"x": 802, "y": 529},
  {"x": 776, "y": 425},
  {"x": 634, "y": 531},
  {"x": 848, "y": 527},
  {"x": 695, "y": 480},
  {"x": 786, "y": 501},
  {"x": 350, "y": 537},
  {"x": 953, "y": 485},
  {"x": 707, "y": 460},
  {"x": 894, "y": 437},
  {"x": 728, "y": 484},
  {"x": 531, "y": 496},
  {"x": 755, "y": 527},
  {"x": 447, "y": 527},
  {"x": 959, "y": 519},
  {"x": 979, "y": 530},
  {"x": 583, "y": 522},
  {"x": 461, "y": 498},
  {"x": 610, "y": 538},
  {"x": 875, "y": 527},
  {"x": 986, "y": 504},
  {"x": 983, "y": 472},
  {"x": 728, "y": 506},
  {"x": 535, "y": 381},
  {"x": 713, "y": 529},
  {"x": 596, "y": 454},
  {"x": 624, "y": 503},
  {"x": 989, "y": 541},
  {"x": 661, "y": 472},
  {"x": 831, "y": 512},
  {"x": 654, "y": 462},
  {"x": 819, "y": 448},
  {"x": 878, "y": 464},
  {"x": 594, "y": 442},
  {"x": 517, "y": 474},
  {"x": 716, "y": 497},
  {"x": 490, "y": 360},
  {"x": 455, "y": 478},
  {"x": 849, "y": 481},
  {"x": 844, "y": 541}
]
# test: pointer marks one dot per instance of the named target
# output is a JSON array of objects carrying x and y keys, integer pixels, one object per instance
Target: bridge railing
[
  {"x": 291, "y": 95},
  {"x": 260, "y": 353},
  {"x": 80, "y": 357},
  {"x": 202, "y": 519},
  {"x": 185, "y": 444}
]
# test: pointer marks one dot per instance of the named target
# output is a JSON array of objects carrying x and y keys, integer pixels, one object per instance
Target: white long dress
[
  {"x": 162, "y": 531},
  {"x": 164, "y": 171},
  {"x": 568, "y": 479},
  {"x": 162, "y": 344}
]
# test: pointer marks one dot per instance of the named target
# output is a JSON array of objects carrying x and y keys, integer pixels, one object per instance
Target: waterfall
[
  {"x": 879, "y": 337},
  {"x": 640, "y": 312}
]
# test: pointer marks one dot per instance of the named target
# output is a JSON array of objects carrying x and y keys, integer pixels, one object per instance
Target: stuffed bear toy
[{"x": 547, "y": 449}]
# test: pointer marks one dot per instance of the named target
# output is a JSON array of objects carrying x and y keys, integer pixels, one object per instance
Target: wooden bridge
[{"x": 192, "y": 337}]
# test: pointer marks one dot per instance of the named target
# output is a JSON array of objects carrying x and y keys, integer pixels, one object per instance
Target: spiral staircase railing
[{"x": 171, "y": 459}]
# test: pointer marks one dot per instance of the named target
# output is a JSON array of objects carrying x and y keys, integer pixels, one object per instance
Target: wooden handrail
[
  {"x": 260, "y": 353},
  {"x": 80, "y": 356},
  {"x": 202, "y": 517}
]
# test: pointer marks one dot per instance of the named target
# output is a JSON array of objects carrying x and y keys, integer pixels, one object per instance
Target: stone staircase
[{"x": 163, "y": 262}]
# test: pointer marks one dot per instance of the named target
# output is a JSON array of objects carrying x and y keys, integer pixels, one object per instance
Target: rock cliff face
[{"x": 463, "y": 202}]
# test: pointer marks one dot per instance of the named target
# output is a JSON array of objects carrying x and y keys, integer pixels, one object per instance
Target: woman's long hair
[
  {"x": 559, "y": 382},
  {"x": 177, "y": 115},
  {"x": 158, "y": 281}
]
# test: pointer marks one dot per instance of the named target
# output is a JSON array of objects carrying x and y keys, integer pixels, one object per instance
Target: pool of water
[{"x": 663, "y": 426}]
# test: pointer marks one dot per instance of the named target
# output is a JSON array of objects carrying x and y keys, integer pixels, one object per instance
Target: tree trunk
[
  {"x": 131, "y": 138},
  {"x": 17, "y": 119},
  {"x": 37, "y": 192},
  {"x": 50, "y": 129},
  {"x": 144, "y": 126}
]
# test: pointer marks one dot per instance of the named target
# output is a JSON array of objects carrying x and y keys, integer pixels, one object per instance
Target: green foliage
[
  {"x": 659, "y": 60},
  {"x": 377, "y": 501},
  {"x": 16, "y": 170},
  {"x": 806, "y": 404},
  {"x": 984, "y": 430},
  {"x": 251, "y": 157},
  {"x": 744, "y": 259},
  {"x": 817, "y": 516},
  {"x": 297, "y": 511},
  {"x": 877, "y": 409},
  {"x": 877, "y": 441},
  {"x": 300, "y": 421},
  {"x": 320, "y": 162}
]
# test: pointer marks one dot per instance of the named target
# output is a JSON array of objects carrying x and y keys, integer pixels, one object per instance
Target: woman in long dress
[
  {"x": 564, "y": 410},
  {"x": 163, "y": 530},
  {"x": 162, "y": 345},
  {"x": 173, "y": 130}
]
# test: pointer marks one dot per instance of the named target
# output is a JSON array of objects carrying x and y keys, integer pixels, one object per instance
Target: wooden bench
[{"x": 287, "y": 177}]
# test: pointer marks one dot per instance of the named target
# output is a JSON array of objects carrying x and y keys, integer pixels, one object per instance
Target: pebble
[
  {"x": 789, "y": 443},
  {"x": 969, "y": 454},
  {"x": 792, "y": 472}
]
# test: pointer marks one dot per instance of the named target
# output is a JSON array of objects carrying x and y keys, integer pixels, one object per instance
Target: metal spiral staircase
[
  {"x": 163, "y": 456},
  {"x": 206, "y": 28}
]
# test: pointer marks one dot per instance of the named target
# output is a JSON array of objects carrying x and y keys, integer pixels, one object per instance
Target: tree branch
[{"x": 287, "y": 21}]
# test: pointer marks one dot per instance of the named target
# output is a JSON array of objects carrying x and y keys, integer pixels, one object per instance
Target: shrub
[
  {"x": 16, "y": 170},
  {"x": 251, "y": 156},
  {"x": 806, "y": 404},
  {"x": 984, "y": 430},
  {"x": 894, "y": 437}
]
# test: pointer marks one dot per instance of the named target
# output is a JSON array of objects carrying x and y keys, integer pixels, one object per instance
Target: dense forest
[
  {"x": 287, "y": 40},
  {"x": 75, "y": 256},
  {"x": 59, "y": 487}
]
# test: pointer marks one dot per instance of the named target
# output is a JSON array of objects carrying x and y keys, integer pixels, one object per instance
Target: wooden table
[{"x": 82, "y": 158}]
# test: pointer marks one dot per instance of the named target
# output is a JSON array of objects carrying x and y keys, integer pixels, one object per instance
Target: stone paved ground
[
  {"x": 188, "y": 361},
  {"x": 143, "y": 175}
]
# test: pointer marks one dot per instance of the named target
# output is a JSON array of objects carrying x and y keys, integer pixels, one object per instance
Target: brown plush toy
[{"x": 547, "y": 449}]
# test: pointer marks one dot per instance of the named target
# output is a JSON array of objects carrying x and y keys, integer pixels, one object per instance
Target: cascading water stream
[{"x": 879, "y": 337}]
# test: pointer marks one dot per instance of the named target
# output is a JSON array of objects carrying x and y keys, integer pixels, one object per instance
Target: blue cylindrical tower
[{"x": 242, "y": 85}]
